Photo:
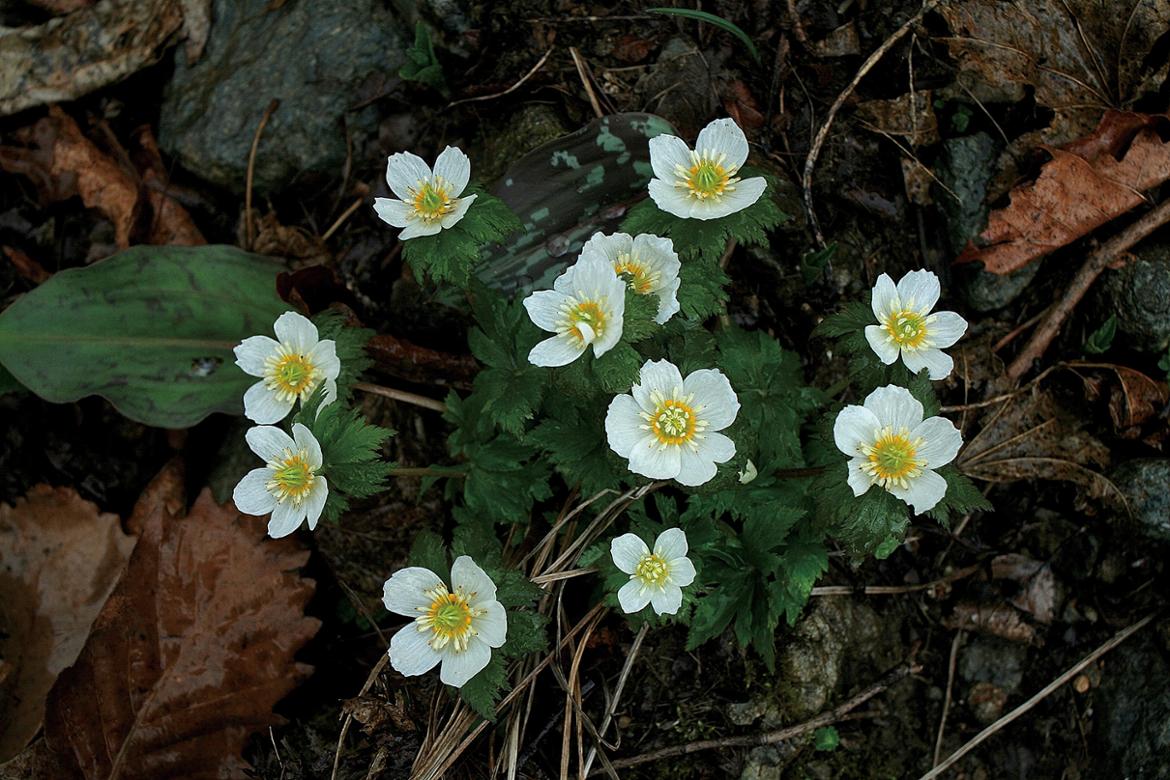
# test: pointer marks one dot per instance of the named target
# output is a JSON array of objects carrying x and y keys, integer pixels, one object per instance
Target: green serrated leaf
[
  {"x": 814, "y": 263},
  {"x": 350, "y": 344},
  {"x": 638, "y": 319},
  {"x": 962, "y": 497},
  {"x": 452, "y": 254},
  {"x": 1101, "y": 339},
  {"x": 853, "y": 317},
  {"x": 617, "y": 370},
  {"x": 483, "y": 690},
  {"x": 430, "y": 552},
  {"x": 421, "y": 64}
]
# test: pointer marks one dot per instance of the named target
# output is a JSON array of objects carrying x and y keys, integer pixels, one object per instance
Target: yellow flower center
[
  {"x": 674, "y": 421},
  {"x": 639, "y": 277},
  {"x": 652, "y": 570},
  {"x": 906, "y": 328},
  {"x": 706, "y": 177},
  {"x": 448, "y": 618},
  {"x": 292, "y": 477},
  {"x": 431, "y": 201},
  {"x": 290, "y": 374},
  {"x": 892, "y": 458},
  {"x": 586, "y": 322}
]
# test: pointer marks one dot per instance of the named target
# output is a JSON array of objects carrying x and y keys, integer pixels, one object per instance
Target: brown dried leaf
[
  {"x": 1039, "y": 590},
  {"x": 60, "y": 557},
  {"x": 1135, "y": 399},
  {"x": 1074, "y": 194},
  {"x": 997, "y": 620},
  {"x": 190, "y": 653},
  {"x": 910, "y": 116}
]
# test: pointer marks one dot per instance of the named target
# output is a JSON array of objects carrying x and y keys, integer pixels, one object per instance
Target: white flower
[
  {"x": 907, "y": 326},
  {"x": 702, "y": 184},
  {"x": 456, "y": 627},
  {"x": 656, "y": 577},
  {"x": 290, "y": 368},
  {"x": 667, "y": 426},
  {"x": 648, "y": 263},
  {"x": 289, "y": 486},
  {"x": 749, "y": 473},
  {"x": 889, "y": 444},
  {"x": 585, "y": 306},
  {"x": 427, "y": 202}
]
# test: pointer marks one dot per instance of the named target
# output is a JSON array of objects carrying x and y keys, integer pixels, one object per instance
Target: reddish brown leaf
[
  {"x": 25, "y": 266},
  {"x": 997, "y": 620},
  {"x": 742, "y": 106},
  {"x": 190, "y": 653},
  {"x": 632, "y": 49},
  {"x": 59, "y": 559},
  {"x": 1136, "y": 399},
  {"x": 1073, "y": 195}
]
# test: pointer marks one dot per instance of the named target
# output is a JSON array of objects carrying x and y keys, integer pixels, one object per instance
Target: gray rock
[
  {"x": 1132, "y": 706},
  {"x": 1145, "y": 482},
  {"x": 679, "y": 85},
  {"x": 991, "y": 660},
  {"x": 318, "y": 57},
  {"x": 1139, "y": 294}
]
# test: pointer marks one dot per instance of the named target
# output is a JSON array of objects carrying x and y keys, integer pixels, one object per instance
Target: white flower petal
[
  {"x": 627, "y": 550},
  {"x": 668, "y": 304},
  {"x": 858, "y": 480},
  {"x": 262, "y": 406},
  {"x": 633, "y": 597},
  {"x": 659, "y": 376},
  {"x": 682, "y": 572},
  {"x": 667, "y": 600},
  {"x": 923, "y": 493},
  {"x": 885, "y": 298},
  {"x": 468, "y": 576},
  {"x": 556, "y": 351},
  {"x": 658, "y": 251},
  {"x": 461, "y": 207},
  {"x": 623, "y": 425},
  {"x": 252, "y": 352},
  {"x": 669, "y": 198},
  {"x": 285, "y": 519},
  {"x": 944, "y": 328},
  {"x": 544, "y": 308},
  {"x": 296, "y": 331},
  {"x": 410, "y": 653},
  {"x": 455, "y": 167},
  {"x": 418, "y": 228},
  {"x": 405, "y": 172},
  {"x": 492, "y": 625},
  {"x": 305, "y": 440},
  {"x": 918, "y": 291},
  {"x": 315, "y": 503},
  {"x": 671, "y": 544},
  {"x": 746, "y": 193},
  {"x": 894, "y": 406},
  {"x": 458, "y": 668},
  {"x": 941, "y": 441},
  {"x": 854, "y": 427},
  {"x": 268, "y": 442},
  {"x": 694, "y": 469},
  {"x": 666, "y": 153},
  {"x": 329, "y": 396},
  {"x": 405, "y": 592},
  {"x": 251, "y": 495},
  {"x": 393, "y": 212},
  {"x": 324, "y": 357},
  {"x": 937, "y": 362},
  {"x": 650, "y": 459},
  {"x": 608, "y": 248},
  {"x": 723, "y": 136},
  {"x": 714, "y": 401},
  {"x": 881, "y": 343}
]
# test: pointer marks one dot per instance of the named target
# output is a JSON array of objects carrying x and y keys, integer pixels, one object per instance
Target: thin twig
[
  {"x": 249, "y": 228},
  {"x": 378, "y": 667},
  {"x": 337, "y": 223},
  {"x": 1094, "y": 265},
  {"x": 942, "y": 721},
  {"x": 894, "y": 590},
  {"x": 982, "y": 736},
  {"x": 509, "y": 90},
  {"x": 580, "y": 63},
  {"x": 810, "y": 162},
  {"x": 617, "y": 693},
  {"x": 779, "y": 735},
  {"x": 401, "y": 395}
]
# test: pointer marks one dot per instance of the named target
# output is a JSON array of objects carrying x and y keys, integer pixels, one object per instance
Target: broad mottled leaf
[{"x": 150, "y": 329}]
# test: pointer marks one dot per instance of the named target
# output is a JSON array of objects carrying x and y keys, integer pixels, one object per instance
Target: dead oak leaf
[
  {"x": 60, "y": 557},
  {"x": 190, "y": 653}
]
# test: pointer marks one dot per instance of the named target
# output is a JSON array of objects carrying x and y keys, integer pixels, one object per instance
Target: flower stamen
[
  {"x": 706, "y": 177},
  {"x": 431, "y": 199},
  {"x": 449, "y": 618},
  {"x": 906, "y": 328},
  {"x": 640, "y": 278},
  {"x": 652, "y": 571},
  {"x": 892, "y": 458},
  {"x": 292, "y": 477},
  {"x": 290, "y": 374}
]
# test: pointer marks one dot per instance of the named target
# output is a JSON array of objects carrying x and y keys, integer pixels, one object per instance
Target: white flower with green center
[
  {"x": 457, "y": 626},
  {"x": 657, "y": 576},
  {"x": 907, "y": 327},
  {"x": 668, "y": 427},
  {"x": 427, "y": 201},
  {"x": 647, "y": 263},
  {"x": 289, "y": 486},
  {"x": 890, "y": 445},
  {"x": 584, "y": 307},
  {"x": 290, "y": 368},
  {"x": 702, "y": 184}
]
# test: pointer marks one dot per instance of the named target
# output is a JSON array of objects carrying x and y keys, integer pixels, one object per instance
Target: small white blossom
[
  {"x": 748, "y": 474},
  {"x": 657, "y": 576},
  {"x": 667, "y": 426},
  {"x": 427, "y": 201},
  {"x": 906, "y": 326},
  {"x": 288, "y": 486},
  {"x": 889, "y": 444},
  {"x": 702, "y": 184},
  {"x": 290, "y": 368},
  {"x": 648, "y": 263},
  {"x": 585, "y": 306},
  {"x": 456, "y": 626}
]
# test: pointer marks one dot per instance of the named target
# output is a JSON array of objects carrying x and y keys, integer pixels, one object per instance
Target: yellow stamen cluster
[
  {"x": 584, "y": 320},
  {"x": 652, "y": 571},
  {"x": 449, "y": 618},
  {"x": 892, "y": 458},
  {"x": 674, "y": 420},
  {"x": 641, "y": 279},
  {"x": 292, "y": 477},
  {"x": 706, "y": 177},
  {"x": 906, "y": 328},
  {"x": 290, "y": 374},
  {"x": 431, "y": 201}
]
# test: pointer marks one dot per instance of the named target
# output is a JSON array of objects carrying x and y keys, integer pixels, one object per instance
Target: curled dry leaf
[
  {"x": 910, "y": 116},
  {"x": 59, "y": 559},
  {"x": 1134, "y": 400},
  {"x": 190, "y": 653},
  {"x": 1039, "y": 590},
  {"x": 1086, "y": 184},
  {"x": 996, "y": 619}
]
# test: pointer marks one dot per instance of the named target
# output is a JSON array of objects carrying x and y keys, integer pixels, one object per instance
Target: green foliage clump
[
  {"x": 421, "y": 64},
  {"x": 450, "y": 256}
]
